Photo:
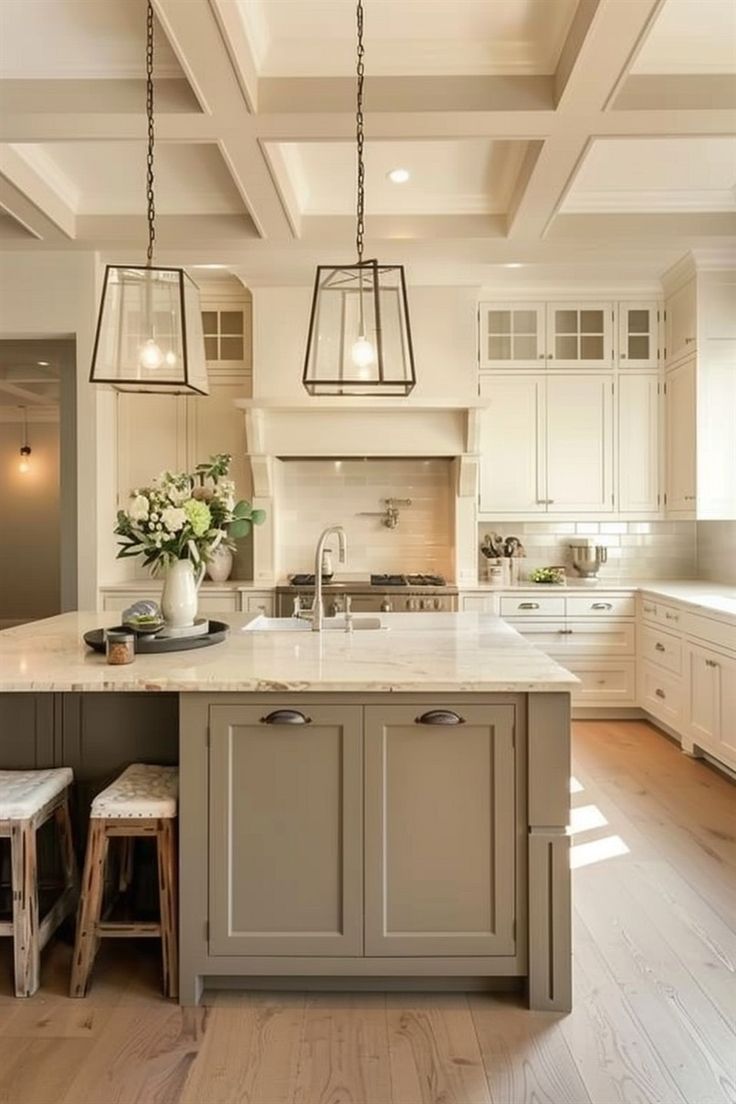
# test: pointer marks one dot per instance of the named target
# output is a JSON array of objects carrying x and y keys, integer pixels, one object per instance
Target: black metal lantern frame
[
  {"x": 360, "y": 308},
  {"x": 359, "y": 340},
  {"x": 149, "y": 328}
]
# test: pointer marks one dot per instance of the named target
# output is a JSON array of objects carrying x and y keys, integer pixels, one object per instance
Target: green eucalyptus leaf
[
  {"x": 240, "y": 527},
  {"x": 258, "y": 517}
]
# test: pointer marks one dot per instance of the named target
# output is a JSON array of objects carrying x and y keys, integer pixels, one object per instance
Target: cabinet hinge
[
  {"x": 207, "y": 931},
  {"x": 665, "y": 388},
  {"x": 659, "y": 498},
  {"x": 665, "y": 498}
]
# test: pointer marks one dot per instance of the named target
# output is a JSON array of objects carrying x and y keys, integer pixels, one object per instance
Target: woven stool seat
[
  {"x": 24, "y": 793},
  {"x": 143, "y": 790}
]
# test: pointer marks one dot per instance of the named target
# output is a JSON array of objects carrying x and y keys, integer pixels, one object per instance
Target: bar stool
[
  {"x": 27, "y": 800},
  {"x": 140, "y": 804}
]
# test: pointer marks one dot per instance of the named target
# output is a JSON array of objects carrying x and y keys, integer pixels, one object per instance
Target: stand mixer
[{"x": 588, "y": 558}]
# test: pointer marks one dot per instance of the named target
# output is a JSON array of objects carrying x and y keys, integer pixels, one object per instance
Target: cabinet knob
[
  {"x": 602, "y": 606},
  {"x": 660, "y": 647},
  {"x": 286, "y": 717},
  {"x": 660, "y": 693},
  {"x": 439, "y": 717},
  {"x": 711, "y": 663}
]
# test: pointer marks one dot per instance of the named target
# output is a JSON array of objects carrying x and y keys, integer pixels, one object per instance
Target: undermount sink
[{"x": 295, "y": 624}]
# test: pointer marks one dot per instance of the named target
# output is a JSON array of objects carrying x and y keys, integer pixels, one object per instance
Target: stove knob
[
  {"x": 385, "y": 606},
  {"x": 423, "y": 604},
  {"x": 437, "y": 604}
]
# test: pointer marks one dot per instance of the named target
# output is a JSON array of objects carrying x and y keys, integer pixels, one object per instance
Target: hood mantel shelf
[{"x": 371, "y": 427}]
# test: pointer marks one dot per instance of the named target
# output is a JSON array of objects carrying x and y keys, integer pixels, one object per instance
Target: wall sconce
[{"x": 25, "y": 449}]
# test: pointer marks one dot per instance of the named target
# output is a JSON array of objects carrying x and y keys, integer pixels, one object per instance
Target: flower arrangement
[{"x": 185, "y": 516}]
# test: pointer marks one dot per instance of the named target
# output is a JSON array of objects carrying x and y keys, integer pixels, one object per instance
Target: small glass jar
[{"x": 119, "y": 647}]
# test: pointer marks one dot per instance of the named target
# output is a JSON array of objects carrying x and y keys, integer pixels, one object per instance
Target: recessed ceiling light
[
  {"x": 398, "y": 176},
  {"x": 513, "y": 264},
  {"x": 210, "y": 266},
  {"x": 42, "y": 363}
]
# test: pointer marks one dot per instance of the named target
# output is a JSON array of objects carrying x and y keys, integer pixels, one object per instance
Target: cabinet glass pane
[
  {"x": 591, "y": 348},
  {"x": 566, "y": 348},
  {"x": 638, "y": 321},
  {"x": 525, "y": 348},
  {"x": 210, "y": 348},
  {"x": 591, "y": 321},
  {"x": 231, "y": 322},
  {"x": 231, "y": 348},
  {"x": 209, "y": 322},
  {"x": 566, "y": 321},
  {"x": 499, "y": 322},
  {"x": 525, "y": 322},
  {"x": 638, "y": 348},
  {"x": 499, "y": 348}
]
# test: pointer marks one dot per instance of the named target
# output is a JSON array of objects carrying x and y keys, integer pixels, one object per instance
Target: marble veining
[{"x": 425, "y": 652}]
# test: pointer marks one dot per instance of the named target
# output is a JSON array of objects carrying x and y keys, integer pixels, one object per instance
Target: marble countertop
[{"x": 422, "y": 652}]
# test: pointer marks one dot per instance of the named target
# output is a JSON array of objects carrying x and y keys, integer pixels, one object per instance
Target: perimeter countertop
[{"x": 422, "y": 652}]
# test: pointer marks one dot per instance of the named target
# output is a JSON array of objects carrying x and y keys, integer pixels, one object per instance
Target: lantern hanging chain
[
  {"x": 151, "y": 211},
  {"x": 360, "y": 137}
]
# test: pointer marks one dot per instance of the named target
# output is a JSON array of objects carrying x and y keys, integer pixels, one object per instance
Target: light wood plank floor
[{"x": 655, "y": 986}]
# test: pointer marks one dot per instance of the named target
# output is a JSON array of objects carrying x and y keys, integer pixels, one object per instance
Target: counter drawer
[
  {"x": 547, "y": 635},
  {"x": 218, "y": 603},
  {"x": 602, "y": 605},
  {"x": 533, "y": 606},
  {"x": 661, "y": 648},
  {"x": 605, "y": 637},
  {"x": 661, "y": 614},
  {"x": 661, "y": 693},
  {"x": 603, "y": 682},
  {"x": 259, "y": 603},
  {"x": 122, "y": 601},
  {"x": 720, "y": 633}
]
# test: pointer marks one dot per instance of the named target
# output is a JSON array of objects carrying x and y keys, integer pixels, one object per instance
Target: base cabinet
[
  {"x": 711, "y": 721},
  {"x": 286, "y": 850},
  {"x": 440, "y": 820}
]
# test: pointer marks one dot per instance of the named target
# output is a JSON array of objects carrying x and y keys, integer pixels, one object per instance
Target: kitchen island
[{"x": 378, "y": 808}]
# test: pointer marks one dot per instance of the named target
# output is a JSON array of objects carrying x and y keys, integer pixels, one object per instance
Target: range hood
[{"x": 365, "y": 427}]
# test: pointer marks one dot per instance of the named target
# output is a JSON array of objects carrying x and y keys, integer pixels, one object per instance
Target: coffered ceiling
[{"x": 578, "y": 138}]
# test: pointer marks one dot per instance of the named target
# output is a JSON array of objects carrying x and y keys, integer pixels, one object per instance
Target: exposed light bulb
[
  {"x": 150, "y": 355},
  {"x": 171, "y": 358},
  {"x": 25, "y": 464},
  {"x": 362, "y": 355}
]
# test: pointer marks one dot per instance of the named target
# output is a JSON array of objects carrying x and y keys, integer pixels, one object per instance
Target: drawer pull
[
  {"x": 660, "y": 647},
  {"x": 528, "y": 605},
  {"x": 565, "y": 632},
  {"x": 602, "y": 605},
  {"x": 711, "y": 663},
  {"x": 649, "y": 609},
  {"x": 439, "y": 717},
  {"x": 672, "y": 616},
  {"x": 660, "y": 693},
  {"x": 286, "y": 717}
]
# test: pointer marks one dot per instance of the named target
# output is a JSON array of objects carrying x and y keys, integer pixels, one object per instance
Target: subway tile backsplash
[
  {"x": 636, "y": 549},
  {"x": 317, "y": 493},
  {"x": 717, "y": 551}
]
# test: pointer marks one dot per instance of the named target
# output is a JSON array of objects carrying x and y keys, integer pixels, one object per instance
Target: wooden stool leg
[
  {"x": 125, "y": 876},
  {"x": 166, "y": 850},
  {"x": 66, "y": 846},
  {"x": 90, "y": 907},
  {"x": 24, "y": 877}
]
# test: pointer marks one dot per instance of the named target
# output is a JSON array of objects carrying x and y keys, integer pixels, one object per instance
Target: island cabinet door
[
  {"x": 286, "y": 840},
  {"x": 440, "y": 821}
]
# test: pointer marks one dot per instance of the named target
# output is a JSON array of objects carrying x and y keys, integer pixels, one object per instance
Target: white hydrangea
[
  {"x": 138, "y": 508},
  {"x": 173, "y": 518}
]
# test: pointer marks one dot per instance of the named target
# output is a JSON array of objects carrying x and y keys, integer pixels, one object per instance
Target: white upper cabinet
[
  {"x": 512, "y": 335},
  {"x": 579, "y": 444},
  {"x": 680, "y": 397},
  {"x": 580, "y": 335},
  {"x": 639, "y": 437},
  {"x": 512, "y": 475},
  {"x": 638, "y": 335},
  {"x": 681, "y": 322}
]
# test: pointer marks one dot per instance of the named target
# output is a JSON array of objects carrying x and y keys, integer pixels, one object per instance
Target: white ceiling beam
[
  {"x": 31, "y": 200},
  {"x": 197, "y": 40},
  {"x": 24, "y": 394},
  {"x": 237, "y": 43}
]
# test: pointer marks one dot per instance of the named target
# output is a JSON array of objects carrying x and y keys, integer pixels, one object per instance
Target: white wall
[
  {"x": 443, "y": 322},
  {"x": 717, "y": 551},
  {"x": 54, "y": 294},
  {"x": 315, "y": 493},
  {"x": 30, "y": 572}
]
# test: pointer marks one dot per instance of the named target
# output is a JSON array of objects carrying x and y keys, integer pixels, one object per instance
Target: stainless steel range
[{"x": 379, "y": 594}]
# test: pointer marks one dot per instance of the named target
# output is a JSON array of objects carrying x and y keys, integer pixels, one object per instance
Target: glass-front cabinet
[
  {"x": 579, "y": 335},
  {"x": 512, "y": 335},
  {"x": 638, "y": 335}
]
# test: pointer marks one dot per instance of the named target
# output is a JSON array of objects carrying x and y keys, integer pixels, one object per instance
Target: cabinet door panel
[
  {"x": 638, "y": 444},
  {"x": 285, "y": 831},
  {"x": 440, "y": 832},
  {"x": 703, "y": 696},
  {"x": 512, "y": 455},
  {"x": 681, "y": 322},
  {"x": 579, "y": 443},
  {"x": 680, "y": 406},
  {"x": 511, "y": 335},
  {"x": 579, "y": 335},
  {"x": 638, "y": 335}
]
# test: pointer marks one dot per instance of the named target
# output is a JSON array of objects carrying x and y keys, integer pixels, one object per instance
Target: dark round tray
[{"x": 145, "y": 645}]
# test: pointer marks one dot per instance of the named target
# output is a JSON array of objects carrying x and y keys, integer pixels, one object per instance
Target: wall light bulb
[
  {"x": 171, "y": 358},
  {"x": 25, "y": 463},
  {"x": 150, "y": 355}
]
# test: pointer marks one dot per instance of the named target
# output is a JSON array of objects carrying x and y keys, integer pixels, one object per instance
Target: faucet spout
[{"x": 342, "y": 551}]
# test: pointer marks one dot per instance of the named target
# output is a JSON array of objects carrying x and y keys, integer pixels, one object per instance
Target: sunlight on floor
[{"x": 586, "y": 818}]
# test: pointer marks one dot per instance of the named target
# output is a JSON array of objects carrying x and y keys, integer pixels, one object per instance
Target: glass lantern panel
[
  {"x": 196, "y": 366},
  {"x": 140, "y": 331}
]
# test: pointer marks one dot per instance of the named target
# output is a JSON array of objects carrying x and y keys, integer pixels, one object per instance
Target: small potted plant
[{"x": 177, "y": 524}]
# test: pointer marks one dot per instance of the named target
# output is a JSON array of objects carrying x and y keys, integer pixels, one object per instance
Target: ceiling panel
[
  {"x": 656, "y": 174},
  {"x": 109, "y": 177},
  {"x": 472, "y": 176},
  {"x": 691, "y": 36},
  {"x": 297, "y": 39},
  {"x": 53, "y": 39}
]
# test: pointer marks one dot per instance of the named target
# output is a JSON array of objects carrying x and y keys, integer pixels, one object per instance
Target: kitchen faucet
[{"x": 342, "y": 545}]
